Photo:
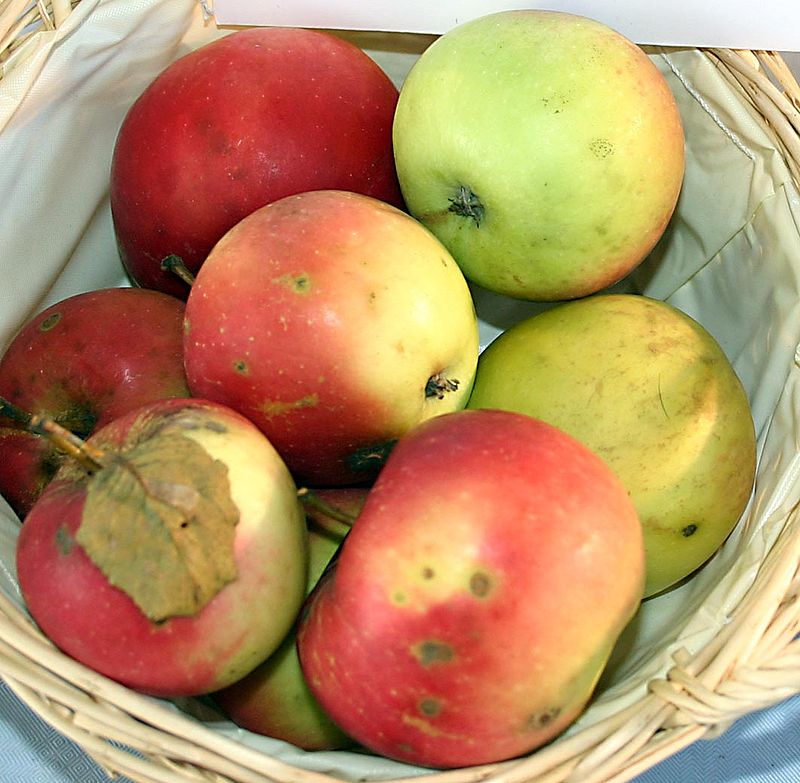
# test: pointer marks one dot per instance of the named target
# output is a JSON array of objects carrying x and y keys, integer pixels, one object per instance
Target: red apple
[
  {"x": 336, "y": 323},
  {"x": 477, "y": 596},
  {"x": 84, "y": 361},
  {"x": 254, "y": 116},
  {"x": 175, "y": 561},
  {"x": 274, "y": 699}
]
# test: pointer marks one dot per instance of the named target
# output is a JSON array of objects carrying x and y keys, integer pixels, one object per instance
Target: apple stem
[
  {"x": 312, "y": 500},
  {"x": 438, "y": 386},
  {"x": 173, "y": 263},
  {"x": 467, "y": 204},
  {"x": 90, "y": 457}
]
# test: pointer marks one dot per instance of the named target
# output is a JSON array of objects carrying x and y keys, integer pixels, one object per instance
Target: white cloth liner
[{"x": 731, "y": 259}]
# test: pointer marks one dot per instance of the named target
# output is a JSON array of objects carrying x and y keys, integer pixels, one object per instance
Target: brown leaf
[{"x": 160, "y": 523}]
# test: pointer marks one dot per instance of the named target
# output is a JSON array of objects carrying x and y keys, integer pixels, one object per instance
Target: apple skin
[
  {"x": 274, "y": 699},
  {"x": 84, "y": 361},
  {"x": 653, "y": 394},
  {"x": 565, "y": 138},
  {"x": 477, "y": 596},
  {"x": 98, "y": 624},
  {"x": 254, "y": 116},
  {"x": 322, "y": 317}
]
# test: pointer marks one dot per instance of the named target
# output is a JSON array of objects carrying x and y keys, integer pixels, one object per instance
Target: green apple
[
  {"x": 652, "y": 393},
  {"x": 543, "y": 149}
]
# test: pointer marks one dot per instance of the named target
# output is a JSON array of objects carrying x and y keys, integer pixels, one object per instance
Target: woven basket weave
[{"x": 751, "y": 661}]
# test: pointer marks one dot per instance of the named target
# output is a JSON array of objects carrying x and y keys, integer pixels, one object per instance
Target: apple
[
  {"x": 274, "y": 699},
  {"x": 251, "y": 117},
  {"x": 84, "y": 361},
  {"x": 336, "y": 323},
  {"x": 651, "y": 392},
  {"x": 478, "y": 595},
  {"x": 171, "y": 554},
  {"x": 544, "y": 149}
]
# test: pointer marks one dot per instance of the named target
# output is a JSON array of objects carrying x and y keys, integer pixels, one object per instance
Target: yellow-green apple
[
  {"x": 274, "y": 699},
  {"x": 478, "y": 595},
  {"x": 336, "y": 323},
  {"x": 652, "y": 393},
  {"x": 244, "y": 120},
  {"x": 543, "y": 148},
  {"x": 84, "y": 361},
  {"x": 171, "y": 554}
]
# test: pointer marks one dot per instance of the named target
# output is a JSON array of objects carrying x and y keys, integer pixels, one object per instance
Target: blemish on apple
[
  {"x": 49, "y": 322},
  {"x": 299, "y": 283},
  {"x": 601, "y": 148},
  {"x": 272, "y": 408},
  {"x": 398, "y": 597},
  {"x": 240, "y": 367},
  {"x": 689, "y": 530},
  {"x": 538, "y": 720},
  {"x": 64, "y": 540},
  {"x": 430, "y": 707},
  {"x": 480, "y": 584},
  {"x": 431, "y": 651}
]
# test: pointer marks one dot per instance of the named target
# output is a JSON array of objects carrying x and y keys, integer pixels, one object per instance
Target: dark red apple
[
  {"x": 173, "y": 562},
  {"x": 254, "y": 116},
  {"x": 478, "y": 595},
  {"x": 84, "y": 361}
]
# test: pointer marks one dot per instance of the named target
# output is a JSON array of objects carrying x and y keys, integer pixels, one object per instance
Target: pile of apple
[{"x": 279, "y": 470}]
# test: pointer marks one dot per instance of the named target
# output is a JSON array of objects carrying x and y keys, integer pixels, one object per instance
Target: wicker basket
[{"x": 731, "y": 642}]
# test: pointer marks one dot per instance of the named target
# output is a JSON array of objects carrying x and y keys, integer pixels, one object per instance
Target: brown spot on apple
[
  {"x": 430, "y": 707},
  {"x": 298, "y": 283},
  {"x": 49, "y": 322},
  {"x": 272, "y": 408},
  {"x": 538, "y": 720},
  {"x": 398, "y": 598},
  {"x": 480, "y": 584},
  {"x": 64, "y": 540},
  {"x": 431, "y": 652},
  {"x": 601, "y": 148},
  {"x": 240, "y": 367}
]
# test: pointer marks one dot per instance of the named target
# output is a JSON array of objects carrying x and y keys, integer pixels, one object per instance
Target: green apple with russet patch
[
  {"x": 544, "y": 149},
  {"x": 651, "y": 392}
]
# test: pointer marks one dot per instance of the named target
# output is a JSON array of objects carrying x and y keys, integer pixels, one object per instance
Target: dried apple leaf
[{"x": 159, "y": 522}]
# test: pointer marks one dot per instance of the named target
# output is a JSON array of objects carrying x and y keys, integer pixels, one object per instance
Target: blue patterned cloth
[{"x": 761, "y": 748}]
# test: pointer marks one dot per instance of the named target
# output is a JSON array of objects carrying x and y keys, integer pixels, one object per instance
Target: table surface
[{"x": 763, "y": 747}]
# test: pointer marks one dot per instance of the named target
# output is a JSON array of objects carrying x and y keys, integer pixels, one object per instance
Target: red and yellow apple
[
  {"x": 336, "y": 323},
  {"x": 175, "y": 561},
  {"x": 478, "y": 595}
]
